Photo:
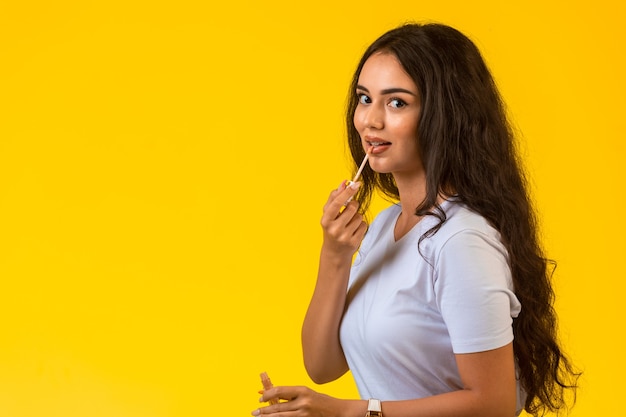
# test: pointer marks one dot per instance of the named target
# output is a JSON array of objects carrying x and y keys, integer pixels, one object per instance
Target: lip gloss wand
[
  {"x": 267, "y": 384},
  {"x": 358, "y": 173}
]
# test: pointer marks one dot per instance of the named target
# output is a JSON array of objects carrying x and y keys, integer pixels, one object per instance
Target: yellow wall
[{"x": 163, "y": 168}]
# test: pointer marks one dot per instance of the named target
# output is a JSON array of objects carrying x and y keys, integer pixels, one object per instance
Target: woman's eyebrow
[{"x": 388, "y": 90}]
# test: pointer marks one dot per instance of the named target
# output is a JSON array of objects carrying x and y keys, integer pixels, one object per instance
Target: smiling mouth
[{"x": 379, "y": 143}]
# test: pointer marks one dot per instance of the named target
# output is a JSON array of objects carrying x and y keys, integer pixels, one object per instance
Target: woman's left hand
[{"x": 300, "y": 402}]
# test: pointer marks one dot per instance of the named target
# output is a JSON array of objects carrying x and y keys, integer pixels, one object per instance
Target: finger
[
  {"x": 285, "y": 393},
  {"x": 341, "y": 199},
  {"x": 273, "y": 395},
  {"x": 333, "y": 194},
  {"x": 349, "y": 214},
  {"x": 346, "y": 236},
  {"x": 268, "y": 396},
  {"x": 355, "y": 230},
  {"x": 354, "y": 223},
  {"x": 278, "y": 409},
  {"x": 335, "y": 224},
  {"x": 360, "y": 232},
  {"x": 350, "y": 183}
]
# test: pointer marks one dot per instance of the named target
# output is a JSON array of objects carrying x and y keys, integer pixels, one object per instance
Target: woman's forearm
[
  {"x": 463, "y": 403},
  {"x": 498, "y": 402},
  {"x": 323, "y": 355}
]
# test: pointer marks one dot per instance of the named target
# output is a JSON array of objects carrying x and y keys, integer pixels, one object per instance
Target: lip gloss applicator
[
  {"x": 267, "y": 384},
  {"x": 358, "y": 173}
]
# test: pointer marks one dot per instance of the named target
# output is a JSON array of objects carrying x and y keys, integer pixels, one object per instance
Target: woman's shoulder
[
  {"x": 459, "y": 217},
  {"x": 463, "y": 224}
]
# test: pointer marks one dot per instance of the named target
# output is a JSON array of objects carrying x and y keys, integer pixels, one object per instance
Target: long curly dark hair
[{"x": 468, "y": 150}]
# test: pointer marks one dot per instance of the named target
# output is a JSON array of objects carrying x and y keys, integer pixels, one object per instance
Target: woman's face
[{"x": 387, "y": 116}]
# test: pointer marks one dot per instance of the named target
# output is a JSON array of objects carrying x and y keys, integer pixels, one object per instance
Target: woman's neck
[{"x": 412, "y": 192}]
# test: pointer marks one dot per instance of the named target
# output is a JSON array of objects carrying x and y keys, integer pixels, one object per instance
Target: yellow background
[{"x": 162, "y": 171}]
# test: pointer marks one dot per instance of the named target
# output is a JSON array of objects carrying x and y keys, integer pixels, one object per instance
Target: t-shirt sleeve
[{"x": 474, "y": 291}]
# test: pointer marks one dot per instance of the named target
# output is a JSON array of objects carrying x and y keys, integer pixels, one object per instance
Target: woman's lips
[{"x": 378, "y": 147}]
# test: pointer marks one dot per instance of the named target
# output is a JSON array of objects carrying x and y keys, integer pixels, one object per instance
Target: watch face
[{"x": 373, "y": 408}]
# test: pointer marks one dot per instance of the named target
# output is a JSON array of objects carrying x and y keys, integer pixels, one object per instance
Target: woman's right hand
[{"x": 343, "y": 226}]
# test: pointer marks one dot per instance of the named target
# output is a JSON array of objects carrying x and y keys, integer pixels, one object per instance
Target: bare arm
[
  {"x": 343, "y": 232},
  {"x": 488, "y": 391}
]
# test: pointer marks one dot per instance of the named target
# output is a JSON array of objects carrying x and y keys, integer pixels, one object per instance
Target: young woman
[{"x": 446, "y": 310}]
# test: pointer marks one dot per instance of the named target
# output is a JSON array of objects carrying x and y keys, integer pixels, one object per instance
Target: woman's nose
[{"x": 374, "y": 117}]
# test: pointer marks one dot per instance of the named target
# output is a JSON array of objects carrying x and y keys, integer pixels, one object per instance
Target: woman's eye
[
  {"x": 363, "y": 99},
  {"x": 397, "y": 103}
]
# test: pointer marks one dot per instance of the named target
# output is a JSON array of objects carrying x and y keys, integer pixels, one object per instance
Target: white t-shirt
[{"x": 407, "y": 313}]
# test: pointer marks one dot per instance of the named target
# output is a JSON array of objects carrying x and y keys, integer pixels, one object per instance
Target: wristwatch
[{"x": 374, "y": 408}]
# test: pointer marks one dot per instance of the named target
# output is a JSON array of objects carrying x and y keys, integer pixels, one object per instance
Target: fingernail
[
  {"x": 256, "y": 412},
  {"x": 261, "y": 399},
  {"x": 341, "y": 185},
  {"x": 354, "y": 185}
]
